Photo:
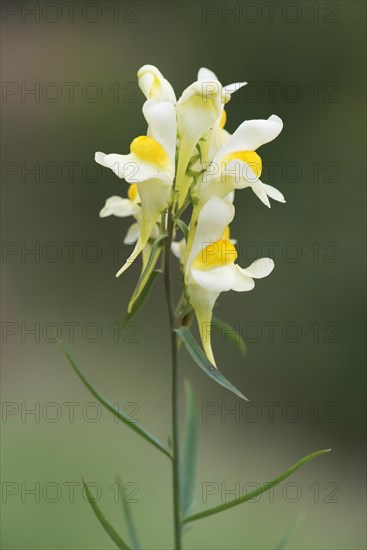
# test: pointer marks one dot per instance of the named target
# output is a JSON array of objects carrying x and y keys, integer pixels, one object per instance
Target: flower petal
[
  {"x": 178, "y": 249},
  {"x": 260, "y": 268},
  {"x": 213, "y": 218},
  {"x": 207, "y": 74},
  {"x": 198, "y": 109},
  {"x": 117, "y": 206},
  {"x": 154, "y": 86},
  {"x": 132, "y": 234},
  {"x": 217, "y": 279},
  {"x": 260, "y": 192},
  {"x": 243, "y": 282},
  {"x": 113, "y": 161},
  {"x": 273, "y": 193},
  {"x": 250, "y": 135},
  {"x": 155, "y": 196},
  {"x": 232, "y": 88},
  {"x": 161, "y": 119}
]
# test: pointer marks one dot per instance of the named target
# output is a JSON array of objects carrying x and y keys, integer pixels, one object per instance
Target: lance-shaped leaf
[
  {"x": 189, "y": 452},
  {"x": 202, "y": 361},
  {"x": 110, "y": 530},
  {"x": 257, "y": 492},
  {"x": 229, "y": 332},
  {"x": 109, "y": 406},
  {"x": 133, "y": 535},
  {"x": 183, "y": 227}
]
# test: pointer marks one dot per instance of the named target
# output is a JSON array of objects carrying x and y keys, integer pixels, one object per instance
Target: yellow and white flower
[
  {"x": 125, "y": 207},
  {"x": 211, "y": 269},
  {"x": 217, "y": 136},
  {"x": 151, "y": 165},
  {"x": 237, "y": 165},
  {"x": 199, "y": 112},
  {"x": 122, "y": 208}
]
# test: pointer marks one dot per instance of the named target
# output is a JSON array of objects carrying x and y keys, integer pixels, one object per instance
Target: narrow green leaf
[
  {"x": 153, "y": 251},
  {"x": 189, "y": 452},
  {"x": 109, "y": 406},
  {"x": 283, "y": 543},
  {"x": 139, "y": 302},
  {"x": 202, "y": 361},
  {"x": 110, "y": 530},
  {"x": 133, "y": 535},
  {"x": 258, "y": 491},
  {"x": 230, "y": 333},
  {"x": 183, "y": 227}
]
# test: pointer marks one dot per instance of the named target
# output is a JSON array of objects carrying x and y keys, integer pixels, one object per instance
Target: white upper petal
[
  {"x": 260, "y": 268},
  {"x": 214, "y": 217},
  {"x": 198, "y": 109},
  {"x": 162, "y": 125},
  {"x": 117, "y": 206},
  {"x": 250, "y": 135},
  {"x": 154, "y": 86},
  {"x": 207, "y": 74},
  {"x": 232, "y": 88}
]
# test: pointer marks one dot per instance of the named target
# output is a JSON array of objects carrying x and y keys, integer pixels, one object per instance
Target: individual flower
[
  {"x": 123, "y": 208},
  {"x": 211, "y": 266},
  {"x": 151, "y": 165},
  {"x": 237, "y": 165},
  {"x": 130, "y": 206},
  {"x": 199, "y": 111},
  {"x": 216, "y": 137}
]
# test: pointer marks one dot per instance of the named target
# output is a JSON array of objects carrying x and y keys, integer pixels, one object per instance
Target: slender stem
[{"x": 175, "y": 386}]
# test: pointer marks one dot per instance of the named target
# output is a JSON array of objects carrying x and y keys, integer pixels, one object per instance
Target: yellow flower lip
[
  {"x": 249, "y": 157},
  {"x": 149, "y": 150},
  {"x": 133, "y": 192},
  {"x": 216, "y": 254}
]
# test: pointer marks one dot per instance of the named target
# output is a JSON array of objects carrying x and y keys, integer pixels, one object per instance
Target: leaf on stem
[
  {"x": 110, "y": 530},
  {"x": 189, "y": 452},
  {"x": 202, "y": 361},
  {"x": 229, "y": 332},
  {"x": 133, "y": 535},
  {"x": 109, "y": 406},
  {"x": 257, "y": 492},
  {"x": 183, "y": 227}
]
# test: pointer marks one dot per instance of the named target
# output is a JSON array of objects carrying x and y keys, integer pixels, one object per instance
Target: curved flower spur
[{"x": 187, "y": 161}]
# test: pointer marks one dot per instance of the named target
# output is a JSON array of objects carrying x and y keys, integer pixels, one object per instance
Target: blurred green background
[{"x": 303, "y": 61}]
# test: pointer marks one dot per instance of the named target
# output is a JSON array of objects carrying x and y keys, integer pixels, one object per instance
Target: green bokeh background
[{"x": 318, "y": 129}]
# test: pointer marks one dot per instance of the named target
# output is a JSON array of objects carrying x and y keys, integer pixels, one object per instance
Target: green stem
[{"x": 175, "y": 385}]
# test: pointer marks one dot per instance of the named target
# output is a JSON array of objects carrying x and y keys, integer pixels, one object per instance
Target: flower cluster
[{"x": 188, "y": 159}]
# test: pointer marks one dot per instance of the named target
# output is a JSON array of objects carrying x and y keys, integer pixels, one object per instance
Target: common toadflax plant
[{"x": 187, "y": 165}]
